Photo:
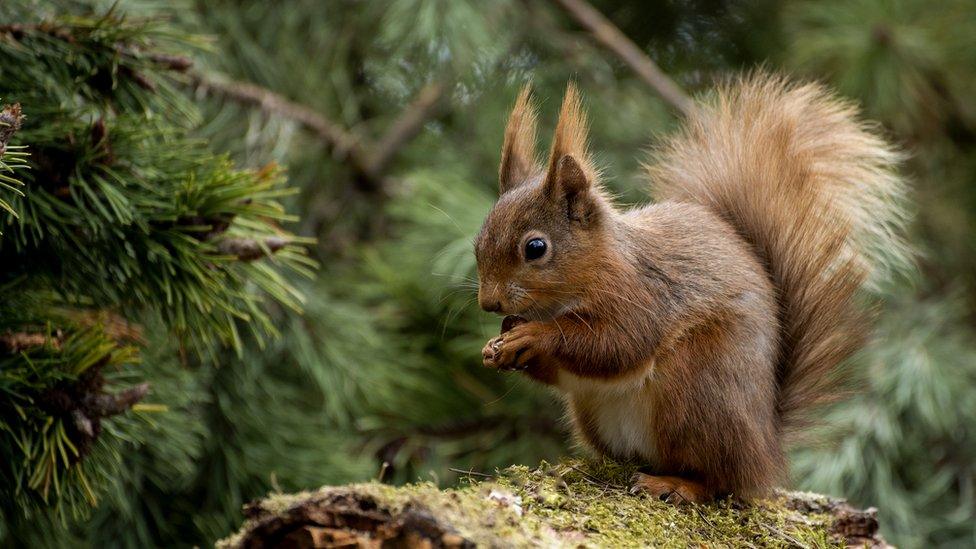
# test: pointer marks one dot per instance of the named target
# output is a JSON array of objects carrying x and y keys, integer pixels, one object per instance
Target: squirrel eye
[{"x": 535, "y": 248}]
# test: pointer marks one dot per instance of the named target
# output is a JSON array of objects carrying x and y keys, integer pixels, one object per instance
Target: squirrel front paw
[
  {"x": 490, "y": 352},
  {"x": 512, "y": 350}
]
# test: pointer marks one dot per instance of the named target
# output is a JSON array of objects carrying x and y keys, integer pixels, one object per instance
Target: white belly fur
[{"x": 622, "y": 411}]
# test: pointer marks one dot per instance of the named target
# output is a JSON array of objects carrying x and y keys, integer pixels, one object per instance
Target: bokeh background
[{"x": 382, "y": 366}]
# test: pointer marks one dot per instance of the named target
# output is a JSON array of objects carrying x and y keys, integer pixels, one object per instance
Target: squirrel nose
[{"x": 490, "y": 300}]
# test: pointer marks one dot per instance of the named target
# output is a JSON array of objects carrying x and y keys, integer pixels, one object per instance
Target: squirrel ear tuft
[
  {"x": 570, "y": 138},
  {"x": 519, "y": 162}
]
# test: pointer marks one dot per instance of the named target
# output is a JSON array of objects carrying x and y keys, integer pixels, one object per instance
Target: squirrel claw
[
  {"x": 489, "y": 354},
  {"x": 511, "y": 351}
]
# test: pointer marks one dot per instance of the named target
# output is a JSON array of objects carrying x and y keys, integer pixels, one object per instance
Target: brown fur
[{"x": 692, "y": 333}]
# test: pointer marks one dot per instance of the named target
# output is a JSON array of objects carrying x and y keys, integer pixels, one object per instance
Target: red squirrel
[{"x": 694, "y": 334}]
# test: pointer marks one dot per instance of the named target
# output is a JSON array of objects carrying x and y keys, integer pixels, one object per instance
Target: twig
[
  {"x": 15, "y": 342},
  {"x": 595, "y": 480},
  {"x": 18, "y": 30},
  {"x": 472, "y": 473},
  {"x": 382, "y": 473},
  {"x": 115, "y": 326},
  {"x": 603, "y": 487},
  {"x": 369, "y": 161},
  {"x": 341, "y": 142},
  {"x": 248, "y": 250},
  {"x": 784, "y": 535},
  {"x": 407, "y": 125},
  {"x": 607, "y": 34},
  {"x": 106, "y": 405}
]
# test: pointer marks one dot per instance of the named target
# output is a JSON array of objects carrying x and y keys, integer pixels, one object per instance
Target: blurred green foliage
[{"x": 383, "y": 366}]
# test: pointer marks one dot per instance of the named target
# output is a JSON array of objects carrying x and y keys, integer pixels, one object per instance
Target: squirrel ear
[
  {"x": 570, "y": 176},
  {"x": 571, "y": 173},
  {"x": 519, "y": 162},
  {"x": 572, "y": 184}
]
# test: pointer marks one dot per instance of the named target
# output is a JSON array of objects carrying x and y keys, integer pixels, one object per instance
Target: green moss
[
  {"x": 586, "y": 503},
  {"x": 591, "y": 499}
]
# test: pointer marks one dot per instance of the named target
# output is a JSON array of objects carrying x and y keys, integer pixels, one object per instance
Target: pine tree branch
[
  {"x": 17, "y": 31},
  {"x": 370, "y": 161},
  {"x": 342, "y": 143},
  {"x": 612, "y": 38},
  {"x": 426, "y": 105}
]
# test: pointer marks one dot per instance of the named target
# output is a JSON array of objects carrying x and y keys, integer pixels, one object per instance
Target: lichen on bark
[{"x": 573, "y": 503}]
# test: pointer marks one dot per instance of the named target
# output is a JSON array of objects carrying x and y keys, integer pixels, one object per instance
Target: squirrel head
[{"x": 549, "y": 226}]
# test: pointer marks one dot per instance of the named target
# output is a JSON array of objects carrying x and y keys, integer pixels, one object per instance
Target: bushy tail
[{"x": 814, "y": 190}]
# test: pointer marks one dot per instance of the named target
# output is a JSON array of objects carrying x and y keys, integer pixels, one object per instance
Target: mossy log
[{"x": 570, "y": 504}]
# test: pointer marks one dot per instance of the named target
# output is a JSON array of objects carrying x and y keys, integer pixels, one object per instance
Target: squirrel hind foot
[{"x": 669, "y": 489}]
